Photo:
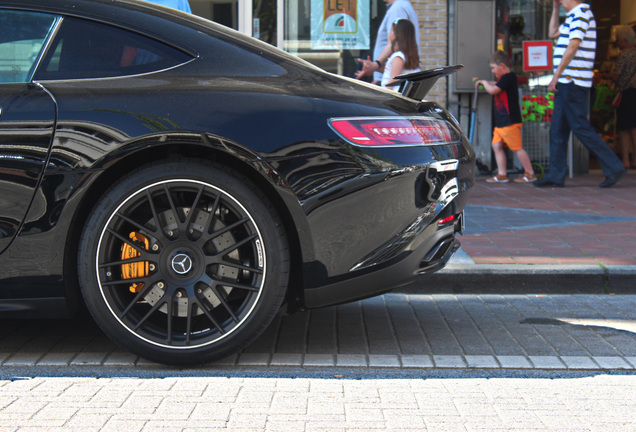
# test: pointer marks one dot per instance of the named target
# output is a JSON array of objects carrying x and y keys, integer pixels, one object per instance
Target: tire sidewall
[{"x": 274, "y": 245}]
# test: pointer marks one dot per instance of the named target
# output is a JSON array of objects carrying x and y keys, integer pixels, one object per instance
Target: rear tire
[{"x": 183, "y": 262}]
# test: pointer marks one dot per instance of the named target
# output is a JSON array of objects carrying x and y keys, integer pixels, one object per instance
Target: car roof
[
  {"x": 186, "y": 31},
  {"x": 92, "y": 8},
  {"x": 145, "y": 17}
]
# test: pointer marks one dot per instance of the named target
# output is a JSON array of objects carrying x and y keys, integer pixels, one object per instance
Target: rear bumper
[
  {"x": 432, "y": 255},
  {"x": 439, "y": 256}
]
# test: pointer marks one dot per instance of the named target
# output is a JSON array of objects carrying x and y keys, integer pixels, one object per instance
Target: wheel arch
[{"x": 255, "y": 170}]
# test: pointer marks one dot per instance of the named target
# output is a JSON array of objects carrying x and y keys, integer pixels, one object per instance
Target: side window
[
  {"x": 87, "y": 49},
  {"x": 22, "y": 38}
]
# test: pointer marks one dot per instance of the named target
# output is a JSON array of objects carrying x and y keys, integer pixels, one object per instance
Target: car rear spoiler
[{"x": 417, "y": 84}]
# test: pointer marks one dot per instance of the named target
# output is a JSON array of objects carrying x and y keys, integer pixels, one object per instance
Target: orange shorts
[{"x": 509, "y": 135}]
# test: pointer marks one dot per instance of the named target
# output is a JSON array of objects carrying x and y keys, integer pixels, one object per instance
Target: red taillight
[
  {"x": 401, "y": 131},
  {"x": 447, "y": 220}
]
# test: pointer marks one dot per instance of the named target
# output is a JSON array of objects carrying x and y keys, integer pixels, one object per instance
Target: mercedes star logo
[{"x": 181, "y": 263}]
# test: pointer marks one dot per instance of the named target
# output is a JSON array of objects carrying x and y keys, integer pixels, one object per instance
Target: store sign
[
  {"x": 537, "y": 55},
  {"x": 340, "y": 24}
]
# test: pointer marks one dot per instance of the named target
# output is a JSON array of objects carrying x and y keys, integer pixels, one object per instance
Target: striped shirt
[{"x": 579, "y": 24}]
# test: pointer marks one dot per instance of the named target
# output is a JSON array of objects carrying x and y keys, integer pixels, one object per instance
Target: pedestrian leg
[
  {"x": 559, "y": 137},
  {"x": 577, "y": 114}
]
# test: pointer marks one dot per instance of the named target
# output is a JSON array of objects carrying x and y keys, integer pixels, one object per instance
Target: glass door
[
  {"x": 226, "y": 12},
  {"x": 265, "y": 20},
  {"x": 332, "y": 34},
  {"x": 258, "y": 18}
]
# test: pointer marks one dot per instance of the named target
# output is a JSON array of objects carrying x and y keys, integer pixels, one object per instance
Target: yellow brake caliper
[{"x": 137, "y": 269}]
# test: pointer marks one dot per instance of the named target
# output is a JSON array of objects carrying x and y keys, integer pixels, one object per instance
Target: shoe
[
  {"x": 544, "y": 182},
  {"x": 612, "y": 180},
  {"x": 497, "y": 179},
  {"x": 527, "y": 178}
]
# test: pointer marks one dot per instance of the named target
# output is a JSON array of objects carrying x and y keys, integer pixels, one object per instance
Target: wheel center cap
[{"x": 182, "y": 263}]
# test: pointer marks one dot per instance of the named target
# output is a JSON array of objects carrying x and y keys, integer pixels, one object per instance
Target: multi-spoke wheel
[{"x": 183, "y": 262}]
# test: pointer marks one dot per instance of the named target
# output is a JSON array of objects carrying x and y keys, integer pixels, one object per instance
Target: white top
[
  {"x": 579, "y": 24},
  {"x": 397, "y": 9},
  {"x": 387, "y": 76}
]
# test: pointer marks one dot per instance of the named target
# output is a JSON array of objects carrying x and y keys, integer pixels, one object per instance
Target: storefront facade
[
  {"x": 513, "y": 23},
  {"x": 451, "y": 32},
  {"x": 288, "y": 24}
]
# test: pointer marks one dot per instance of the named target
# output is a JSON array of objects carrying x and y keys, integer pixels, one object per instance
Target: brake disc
[{"x": 195, "y": 230}]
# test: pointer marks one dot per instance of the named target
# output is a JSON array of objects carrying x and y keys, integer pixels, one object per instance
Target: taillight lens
[
  {"x": 447, "y": 220},
  {"x": 395, "y": 131}
]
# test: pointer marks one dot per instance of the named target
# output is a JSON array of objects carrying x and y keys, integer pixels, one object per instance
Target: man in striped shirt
[{"x": 573, "y": 60}]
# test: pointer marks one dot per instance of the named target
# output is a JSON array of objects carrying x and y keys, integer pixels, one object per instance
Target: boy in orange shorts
[{"x": 508, "y": 121}]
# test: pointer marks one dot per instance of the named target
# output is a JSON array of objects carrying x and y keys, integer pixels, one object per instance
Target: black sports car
[{"x": 184, "y": 181}]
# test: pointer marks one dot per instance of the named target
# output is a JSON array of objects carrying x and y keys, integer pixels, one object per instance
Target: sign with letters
[
  {"x": 537, "y": 55},
  {"x": 340, "y": 24}
]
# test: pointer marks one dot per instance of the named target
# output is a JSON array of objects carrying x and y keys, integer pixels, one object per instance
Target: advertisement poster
[{"x": 340, "y": 24}]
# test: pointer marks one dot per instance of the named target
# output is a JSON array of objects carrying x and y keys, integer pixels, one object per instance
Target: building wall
[
  {"x": 433, "y": 18},
  {"x": 628, "y": 11}
]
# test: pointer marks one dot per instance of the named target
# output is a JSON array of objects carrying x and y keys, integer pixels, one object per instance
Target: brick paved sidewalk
[
  {"x": 496, "y": 332},
  {"x": 578, "y": 224},
  {"x": 397, "y": 362},
  {"x": 300, "y": 404}
]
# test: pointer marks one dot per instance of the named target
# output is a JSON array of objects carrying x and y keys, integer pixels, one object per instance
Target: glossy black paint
[{"x": 236, "y": 101}]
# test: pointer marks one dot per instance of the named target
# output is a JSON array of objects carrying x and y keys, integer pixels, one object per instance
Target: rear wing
[{"x": 417, "y": 84}]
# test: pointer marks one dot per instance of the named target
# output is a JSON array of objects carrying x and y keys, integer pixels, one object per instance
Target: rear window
[{"x": 86, "y": 49}]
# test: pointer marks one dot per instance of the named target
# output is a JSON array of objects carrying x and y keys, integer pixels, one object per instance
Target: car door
[{"x": 27, "y": 116}]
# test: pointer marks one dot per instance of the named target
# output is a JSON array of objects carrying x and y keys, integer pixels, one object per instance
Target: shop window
[
  {"x": 308, "y": 28},
  {"x": 518, "y": 21}
]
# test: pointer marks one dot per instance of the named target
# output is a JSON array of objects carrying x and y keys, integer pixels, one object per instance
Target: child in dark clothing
[{"x": 507, "y": 131}]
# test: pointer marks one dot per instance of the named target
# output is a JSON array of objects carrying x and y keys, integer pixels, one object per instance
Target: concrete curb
[{"x": 526, "y": 279}]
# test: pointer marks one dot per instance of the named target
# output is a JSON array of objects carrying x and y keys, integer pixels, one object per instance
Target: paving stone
[
  {"x": 254, "y": 359},
  {"x": 514, "y": 362},
  {"x": 579, "y": 362},
  {"x": 142, "y": 362},
  {"x": 612, "y": 362},
  {"x": 280, "y": 359},
  {"x": 227, "y": 361},
  {"x": 351, "y": 360},
  {"x": 482, "y": 362},
  {"x": 89, "y": 359},
  {"x": 547, "y": 362},
  {"x": 4, "y": 356},
  {"x": 23, "y": 359},
  {"x": 417, "y": 361},
  {"x": 449, "y": 361},
  {"x": 120, "y": 358},
  {"x": 379, "y": 360},
  {"x": 56, "y": 359},
  {"x": 318, "y": 360}
]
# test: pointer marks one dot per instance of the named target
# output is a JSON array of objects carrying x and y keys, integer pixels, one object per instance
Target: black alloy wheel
[{"x": 183, "y": 262}]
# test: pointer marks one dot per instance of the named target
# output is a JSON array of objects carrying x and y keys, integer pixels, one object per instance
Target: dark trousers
[{"x": 571, "y": 106}]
